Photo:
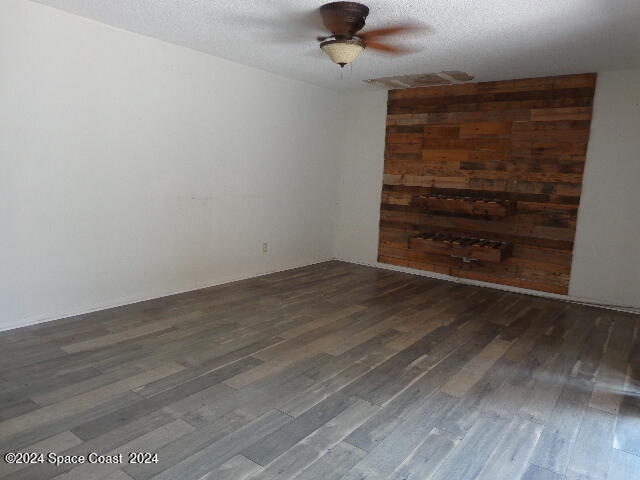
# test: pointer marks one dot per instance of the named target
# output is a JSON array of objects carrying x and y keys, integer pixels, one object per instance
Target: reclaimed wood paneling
[{"x": 519, "y": 142}]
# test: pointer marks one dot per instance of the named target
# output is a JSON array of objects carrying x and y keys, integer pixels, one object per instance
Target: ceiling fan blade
[
  {"x": 383, "y": 32},
  {"x": 386, "y": 48}
]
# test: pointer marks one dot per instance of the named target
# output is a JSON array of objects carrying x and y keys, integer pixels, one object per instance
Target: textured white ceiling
[{"x": 490, "y": 39}]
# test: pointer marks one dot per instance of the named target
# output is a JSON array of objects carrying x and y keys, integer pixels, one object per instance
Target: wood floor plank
[
  {"x": 474, "y": 370},
  {"x": 83, "y": 401},
  {"x": 111, "y": 339},
  {"x": 104, "y": 443},
  {"x": 246, "y": 378},
  {"x": 623, "y": 466},
  {"x": 462, "y": 464},
  {"x": 175, "y": 452},
  {"x": 17, "y": 407},
  {"x": 272, "y": 446},
  {"x": 309, "y": 449},
  {"x": 249, "y": 401},
  {"x": 388, "y": 379},
  {"x": 148, "y": 442},
  {"x": 218, "y": 452},
  {"x": 391, "y": 452},
  {"x": 427, "y": 457},
  {"x": 357, "y": 365},
  {"x": 592, "y": 451},
  {"x": 117, "y": 475},
  {"x": 83, "y": 386},
  {"x": 44, "y": 428},
  {"x": 412, "y": 399},
  {"x": 627, "y": 433},
  {"x": 333, "y": 465},
  {"x": 56, "y": 444},
  {"x": 534, "y": 472},
  {"x": 510, "y": 459},
  {"x": 548, "y": 384},
  {"x": 236, "y": 468},
  {"x": 561, "y": 429},
  {"x": 26, "y": 387},
  {"x": 607, "y": 391}
]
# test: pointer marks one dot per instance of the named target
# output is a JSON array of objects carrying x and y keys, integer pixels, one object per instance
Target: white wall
[
  {"x": 360, "y": 177},
  {"x": 606, "y": 265},
  {"x": 606, "y": 262},
  {"x": 131, "y": 168}
]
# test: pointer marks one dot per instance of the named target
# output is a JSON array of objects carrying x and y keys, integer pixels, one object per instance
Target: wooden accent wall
[{"x": 524, "y": 141}]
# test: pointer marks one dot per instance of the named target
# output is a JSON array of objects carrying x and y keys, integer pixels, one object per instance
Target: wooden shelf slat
[
  {"x": 480, "y": 249},
  {"x": 492, "y": 207}
]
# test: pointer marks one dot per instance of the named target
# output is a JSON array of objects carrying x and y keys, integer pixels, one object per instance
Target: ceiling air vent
[{"x": 421, "y": 79}]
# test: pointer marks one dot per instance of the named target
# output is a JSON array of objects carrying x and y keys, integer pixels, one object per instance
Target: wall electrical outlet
[{"x": 265, "y": 247}]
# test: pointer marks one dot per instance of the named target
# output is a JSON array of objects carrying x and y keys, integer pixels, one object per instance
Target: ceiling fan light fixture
[{"x": 343, "y": 52}]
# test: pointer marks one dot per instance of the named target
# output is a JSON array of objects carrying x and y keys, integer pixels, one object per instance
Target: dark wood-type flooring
[{"x": 332, "y": 371}]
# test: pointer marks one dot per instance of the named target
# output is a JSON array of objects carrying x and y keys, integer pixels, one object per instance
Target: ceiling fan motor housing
[{"x": 344, "y": 19}]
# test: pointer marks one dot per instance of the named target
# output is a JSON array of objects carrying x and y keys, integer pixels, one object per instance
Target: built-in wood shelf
[
  {"x": 463, "y": 247},
  {"x": 492, "y": 207}
]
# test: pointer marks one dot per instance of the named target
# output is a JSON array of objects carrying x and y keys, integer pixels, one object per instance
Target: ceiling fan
[{"x": 345, "y": 20}]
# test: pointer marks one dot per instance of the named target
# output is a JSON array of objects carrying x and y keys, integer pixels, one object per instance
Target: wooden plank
[
  {"x": 460, "y": 246},
  {"x": 56, "y": 444},
  {"x": 249, "y": 376},
  {"x": 442, "y": 131},
  {"x": 592, "y": 452},
  {"x": 118, "y": 475},
  {"x": 440, "y": 91},
  {"x": 148, "y": 442},
  {"x": 176, "y": 452},
  {"x": 427, "y": 457},
  {"x": 536, "y": 473},
  {"x": 613, "y": 368},
  {"x": 236, "y": 468},
  {"x": 475, "y": 369},
  {"x": 313, "y": 447},
  {"x": 481, "y": 441},
  {"x": 390, "y": 453},
  {"x": 510, "y": 459},
  {"x": 218, "y": 452},
  {"x": 623, "y": 465},
  {"x": 627, "y": 435},
  {"x": 82, "y": 402},
  {"x": 105, "y": 443},
  {"x": 333, "y": 465},
  {"x": 561, "y": 429},
  {"x": 557, "y": 114},
  {"x": 273, "y": 445}
]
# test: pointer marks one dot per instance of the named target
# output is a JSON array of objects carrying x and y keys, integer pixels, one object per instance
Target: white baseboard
[
  {"x": 142, "y": 298},
  {"x": 132, "y": 300},
  {"x": 507, "y": 288}
]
